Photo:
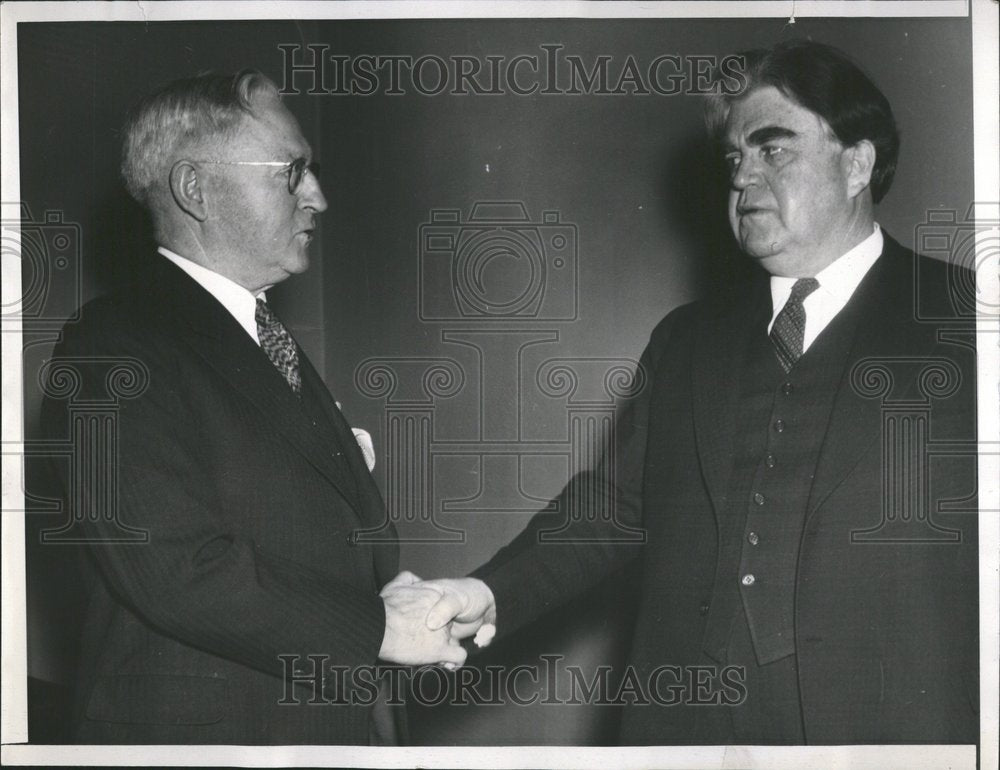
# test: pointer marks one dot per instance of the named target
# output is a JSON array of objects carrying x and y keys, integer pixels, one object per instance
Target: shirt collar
[
  {"x": 840, "y": 278},
  {"x": 241, "y": 304}
]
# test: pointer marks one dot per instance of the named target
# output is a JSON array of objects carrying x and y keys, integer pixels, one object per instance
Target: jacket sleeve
[
  {"x": 197, "y": 578},
  {"x": 530, "y": 576}
]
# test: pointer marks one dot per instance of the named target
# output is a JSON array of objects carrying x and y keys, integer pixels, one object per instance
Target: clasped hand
[{"x": 426, "y": 619}]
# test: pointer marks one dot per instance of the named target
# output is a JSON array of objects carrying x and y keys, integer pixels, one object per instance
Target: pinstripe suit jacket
[{"x": 249, "y": 501}]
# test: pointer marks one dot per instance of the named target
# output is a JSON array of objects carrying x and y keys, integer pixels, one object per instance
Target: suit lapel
[
  {"x": 720, "y": 344},
  {"x": 374, "y": 515},
  {"x": 370, "y": 498},
  {"x": 216, "y": 336},
  {"x": 885, "y": 329}
]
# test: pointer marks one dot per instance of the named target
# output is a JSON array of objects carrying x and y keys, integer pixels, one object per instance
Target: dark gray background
[{"x": 632, "y": 173}]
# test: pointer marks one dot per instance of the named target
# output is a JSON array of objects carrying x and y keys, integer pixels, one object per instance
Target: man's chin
[
  {"x": 298, "y": 265},
  {"x": 760, "y": 249},
  {"x": 286, "y": 270},
  {"x": 770, "y": 257}
]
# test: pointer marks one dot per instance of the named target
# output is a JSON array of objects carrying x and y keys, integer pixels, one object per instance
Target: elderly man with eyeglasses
[{"x": 251, "y": 606}]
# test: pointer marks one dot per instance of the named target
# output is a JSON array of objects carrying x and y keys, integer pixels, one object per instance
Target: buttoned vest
[{"x": 782, "y": 420}]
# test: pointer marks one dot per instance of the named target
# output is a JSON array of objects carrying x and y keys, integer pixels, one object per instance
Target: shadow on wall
[
  {"x": 594, "y": 630},
  {"x": 695, "y": 191}
]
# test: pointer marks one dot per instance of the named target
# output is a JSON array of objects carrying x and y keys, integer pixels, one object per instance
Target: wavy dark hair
[{"x": 825, "y": 81}]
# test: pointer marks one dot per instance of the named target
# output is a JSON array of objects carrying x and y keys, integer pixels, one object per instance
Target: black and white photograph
[{"x": 516, "y": 384}]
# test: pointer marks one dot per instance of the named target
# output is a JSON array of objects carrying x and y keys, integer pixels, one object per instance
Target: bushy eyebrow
[
  {"x": 769, "y": 133},
  {"x": 761, "y": 136}
]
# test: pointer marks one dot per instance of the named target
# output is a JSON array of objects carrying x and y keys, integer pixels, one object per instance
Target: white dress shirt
[
  {"x": 240, "y": 303},
  {"x": 837, "y": 283}
]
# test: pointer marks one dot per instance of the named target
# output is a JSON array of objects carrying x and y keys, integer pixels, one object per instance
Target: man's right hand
[
  {"x": 466, "y": 603},
  {"x": 409, "y": 638}
]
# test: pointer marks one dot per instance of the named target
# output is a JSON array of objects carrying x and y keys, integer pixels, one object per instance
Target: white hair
[{"x": 183, "y": 113}]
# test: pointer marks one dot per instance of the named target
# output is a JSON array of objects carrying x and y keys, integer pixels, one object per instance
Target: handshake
[{"x": 426, "y": 619}]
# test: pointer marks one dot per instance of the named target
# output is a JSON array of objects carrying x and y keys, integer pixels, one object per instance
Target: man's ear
[
  {"x": 861, "y": 162},
  {"x": 185, "y": 186}
]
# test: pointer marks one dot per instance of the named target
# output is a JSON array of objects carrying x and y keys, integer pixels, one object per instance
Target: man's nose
[
  {"x": 745, "y": 173},
  {"x": 311, "y": 194}
]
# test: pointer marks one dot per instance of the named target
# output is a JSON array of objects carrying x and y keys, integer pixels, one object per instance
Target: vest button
[
  {"x": 753, "y": 538},
  {"x": 748, "y": 580},
  {"x": 787, "y": 388},
  {"x": 779, "y": 425},
  {"x": 758, "y": 498},
  {"x": 703, "y": 608},
  {"x": 769, "y": 461}
]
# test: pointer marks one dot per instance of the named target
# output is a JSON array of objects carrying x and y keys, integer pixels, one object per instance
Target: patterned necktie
[
  {"x": 279, "y": 345},
  {"x": 790, "y": 325}
]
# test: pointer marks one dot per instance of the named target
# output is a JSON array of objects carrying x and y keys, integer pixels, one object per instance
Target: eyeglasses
[{"x": 296, "y": 169}]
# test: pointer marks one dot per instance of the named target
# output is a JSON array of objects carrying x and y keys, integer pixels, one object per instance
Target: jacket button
[
  {"x": 352, "y": 538},
  {"x": 703, "y": 608},
  {"x": 748, "y": 580}
]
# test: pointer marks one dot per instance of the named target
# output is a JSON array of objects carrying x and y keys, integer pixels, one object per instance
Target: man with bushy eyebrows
[{"x": 789, "y": 534}]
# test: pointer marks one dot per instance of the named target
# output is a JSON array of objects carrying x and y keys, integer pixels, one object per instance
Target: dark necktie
[
  {"x": 279, "y": 345},
  {"x": 790, "y": 325}
]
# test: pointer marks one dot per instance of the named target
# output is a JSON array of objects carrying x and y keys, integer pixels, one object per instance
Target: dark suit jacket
[
  {"x": 886, "y": 633},
  {"x": 249, "y": 503}
]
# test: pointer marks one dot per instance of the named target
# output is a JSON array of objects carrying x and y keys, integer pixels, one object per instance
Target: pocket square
[{"x": 364, "y": 440}]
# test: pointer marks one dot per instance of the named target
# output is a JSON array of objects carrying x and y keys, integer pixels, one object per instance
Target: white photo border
[{"x": 15, "y": 750}]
